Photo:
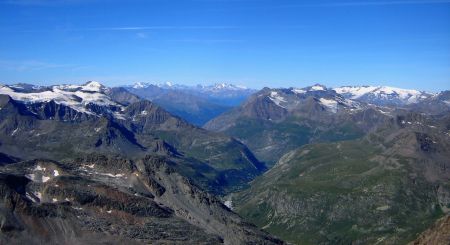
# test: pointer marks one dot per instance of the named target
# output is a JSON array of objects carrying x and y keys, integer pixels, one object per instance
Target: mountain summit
[{"x": 383, "y": 95}]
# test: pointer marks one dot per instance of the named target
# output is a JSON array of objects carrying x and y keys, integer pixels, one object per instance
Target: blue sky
[{"x": 278, "y": 43}]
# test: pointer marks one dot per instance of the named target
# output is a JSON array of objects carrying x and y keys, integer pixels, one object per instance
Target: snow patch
[
  {"x": 383, "y": 208},
  {"x": 317, "y": 88},
  {"x": 14, "y": 132},
  {"x": 112, "y": 175},
  {"x": 332, "y": 105},
  {"x": 119, "y": 116},
  {"x": 408, "y": 96},
  {"x": 355, "y": 91},
  {"x": 229, "y": 204},
  {"x": 55, "y": 173},
  {"x": 298, "y": 91},
  {"x": 139, "y": 85},
  {"x": 384, "y": 112},
  {"x": 33, "y": 199},
  {"x": 277, "y": 99},
  {"x": 38, "y": 195},
  {"x": 92, "y": 86},
  {"x": 74, "y": 96},
  {"x": 33, "y": 177}
]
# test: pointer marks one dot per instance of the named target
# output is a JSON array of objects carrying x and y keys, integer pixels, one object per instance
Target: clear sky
[{"x": 275, "y": 43}]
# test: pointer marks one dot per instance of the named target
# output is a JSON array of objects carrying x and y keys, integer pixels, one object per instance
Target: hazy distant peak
[
  {"x": 214, "y": 88},
  {"x": 224, "y": 86},
  {"x": 138, "y": 85}
]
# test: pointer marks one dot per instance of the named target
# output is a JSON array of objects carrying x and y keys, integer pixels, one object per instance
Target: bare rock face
[
  {"x": 97, "y": 199},
  {"x": 438, "y": 234},
  {"x": 113, "y": 121},
  {"x": 273, "y": 122}
]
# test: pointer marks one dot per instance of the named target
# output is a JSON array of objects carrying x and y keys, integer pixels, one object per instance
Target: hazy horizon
[{"x": 293, "y": 85}]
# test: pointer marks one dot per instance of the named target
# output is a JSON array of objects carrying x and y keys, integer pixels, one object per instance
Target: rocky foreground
[{"x": 104, "y": 200}]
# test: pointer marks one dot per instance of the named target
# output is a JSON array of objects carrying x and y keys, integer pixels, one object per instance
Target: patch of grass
[{"x": 339, "y": 193}]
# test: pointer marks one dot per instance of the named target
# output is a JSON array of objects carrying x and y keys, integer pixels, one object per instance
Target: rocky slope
[
  {"x": 61, "y": 122},
  {"x": 436, "y": 105},
  {"x": 382, "y": 189},
  {"x": 196, "y": 104},
  {"x": 96, "y": 199},
  {"x": 437, "y": 234},
  {"x": 274, "y": 121}
]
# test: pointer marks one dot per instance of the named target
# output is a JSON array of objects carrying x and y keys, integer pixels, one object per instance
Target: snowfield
[
  {"x": 406, "y": 96},
  {"x": 277, "y": 99},
  {"x": 74, "y": 96}
]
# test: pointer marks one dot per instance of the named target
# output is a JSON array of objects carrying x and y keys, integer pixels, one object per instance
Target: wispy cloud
[
  {"x": 126, "y": 28},
  {"x": 207, "y": 41},
  {"x": 141, "y": 28}
]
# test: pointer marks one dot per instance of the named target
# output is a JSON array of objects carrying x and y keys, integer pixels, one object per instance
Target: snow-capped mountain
[
  {"x": 218, "y": 89},
  {"x": 293, "y": 98},
  {"x": 221, "y": 88},
  {"x": 77, "y": 97},
  {"x": 274, "y": 121},
  {"x": 166, "y": 85},
  {"x": 383, "y": 95}
]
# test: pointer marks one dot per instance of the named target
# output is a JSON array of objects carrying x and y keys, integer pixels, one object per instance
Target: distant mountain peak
[
  {"x": 224, "y": 86},
  {"x": 169, "y": 85},
  {"x": 316, "y": 97},
  {"x": 383, "y": 95},
  {"x": 315, "y": 87},
  {"x": 138, "y": 85},
  {"x": 93, "y": 86}
]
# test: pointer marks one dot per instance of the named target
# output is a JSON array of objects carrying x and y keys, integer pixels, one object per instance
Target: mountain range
[
  {"x": 384, "y": 187},
  {"x": 386, "y": 157},
  {"x": 196, "y": 104},
  {"x": 383, "y": 95},
  {"x": 313, "y": 165}
]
